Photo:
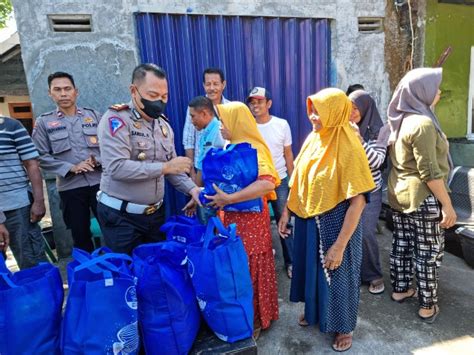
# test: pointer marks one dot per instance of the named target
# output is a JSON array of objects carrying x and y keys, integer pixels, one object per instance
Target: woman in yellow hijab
[
  {"x": 327, "y": 190},
  {"x": 253, "y": 227}
]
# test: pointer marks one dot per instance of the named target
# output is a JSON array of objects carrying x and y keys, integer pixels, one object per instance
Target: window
[
  {"x": 470, "y": 100},
  {"x": 23, "y": 113}
]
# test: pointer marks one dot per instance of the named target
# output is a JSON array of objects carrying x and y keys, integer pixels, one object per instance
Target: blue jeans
[
  {"x": 26, "y": 240},
  {"x": 277, "y": 206}
]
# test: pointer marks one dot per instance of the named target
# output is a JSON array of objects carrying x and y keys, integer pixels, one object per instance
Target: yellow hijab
[
  {"x": 332, "y": 165},
  {"x": 238, "y": 119}
]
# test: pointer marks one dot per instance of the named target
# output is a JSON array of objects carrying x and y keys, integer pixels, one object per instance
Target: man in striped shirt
[{"x": 22, "y": 206}]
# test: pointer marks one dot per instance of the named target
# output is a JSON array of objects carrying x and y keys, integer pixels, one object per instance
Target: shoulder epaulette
[
  {"x": 90, "y": 109},
  {"x": 165, "y": 118},
  {"x": 119, "y": 107},
  {"x": 46, "y": 114}
]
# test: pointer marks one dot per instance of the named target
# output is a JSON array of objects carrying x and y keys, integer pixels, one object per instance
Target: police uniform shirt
[
  {"x": 64, "y": 141},
  {"x": 133, "y": 152}
]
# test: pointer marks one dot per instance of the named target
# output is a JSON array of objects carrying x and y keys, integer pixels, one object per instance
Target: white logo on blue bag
[
  {"x": 202, "y": 303},
  {"x": 221, "y": 337},
  {"x": 128, "y": 340},
  {"x": 227, "y": 172},
  {"x": 190, "y": 267},
  {"x": 131, "y": 297}
]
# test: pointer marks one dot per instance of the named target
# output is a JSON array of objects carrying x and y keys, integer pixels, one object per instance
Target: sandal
[
  {"x": 412, "y": 294},
  {"x": 302, "y": 322},
  {"x": 432, "y": 318},
  {"x": 344, "y": 338},
  {"x": 289, "y": 271},
  {"x": 376, "y": 287},
  {"x": 256, "y": 333},
  {"x": 257, "y": 328}
]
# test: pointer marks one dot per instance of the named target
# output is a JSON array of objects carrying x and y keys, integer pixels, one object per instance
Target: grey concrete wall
[
  {"x": 12, "y": 78},
  {"x": 101, "y": 61}
]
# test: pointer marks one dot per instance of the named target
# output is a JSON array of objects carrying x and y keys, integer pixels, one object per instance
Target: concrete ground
[{"x": 384, "y": 327}]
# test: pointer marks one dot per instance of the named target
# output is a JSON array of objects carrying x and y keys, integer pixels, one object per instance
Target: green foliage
[{"x": 5, "y": 11}]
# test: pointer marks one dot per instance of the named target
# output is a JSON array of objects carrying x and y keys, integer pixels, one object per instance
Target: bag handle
[
  {"x": 95, "y": 265},
  {"x": 215, "y": 222},
  {"x": 3, "y": 266},
  {"x": 100, "y": 250},
  {"x": 6, "y": 278},
  {"x": 83, "y": 257}
]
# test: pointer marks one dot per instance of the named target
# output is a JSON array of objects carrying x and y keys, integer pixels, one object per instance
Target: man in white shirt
[{"x": 277, "y": 135}]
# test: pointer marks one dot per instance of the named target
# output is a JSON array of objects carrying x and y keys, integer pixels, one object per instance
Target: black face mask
[{"x": 153, "y": 109}]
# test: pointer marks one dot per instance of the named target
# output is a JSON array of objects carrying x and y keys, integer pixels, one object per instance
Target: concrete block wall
[{"x": 101, "y": 61}]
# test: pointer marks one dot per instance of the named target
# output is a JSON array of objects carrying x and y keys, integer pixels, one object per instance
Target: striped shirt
[
  {"x": 16, "y": 146},
  {"x": 376, "y": 156}
]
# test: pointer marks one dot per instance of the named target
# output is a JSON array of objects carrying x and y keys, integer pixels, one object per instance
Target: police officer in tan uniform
[
  {"x": 138, "y": 152},
  {"x": 67, "y": 141}
]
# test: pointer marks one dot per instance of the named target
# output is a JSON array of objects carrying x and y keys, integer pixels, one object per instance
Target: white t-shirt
[{"x": 277, "y": 135}]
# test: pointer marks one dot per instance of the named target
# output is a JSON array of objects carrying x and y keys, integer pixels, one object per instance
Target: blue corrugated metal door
[{"x": 288, "y": 56}]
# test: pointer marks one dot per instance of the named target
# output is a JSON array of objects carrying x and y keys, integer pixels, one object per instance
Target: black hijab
[{"x": 370, "y": 121}]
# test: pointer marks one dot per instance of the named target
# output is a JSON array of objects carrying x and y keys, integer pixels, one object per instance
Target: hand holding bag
[{"x": 231, "y": 169}]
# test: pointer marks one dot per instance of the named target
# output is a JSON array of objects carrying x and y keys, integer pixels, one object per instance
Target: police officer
[
  {"x": 67, "y": 141},
  {"x": 138, "y": 152}
]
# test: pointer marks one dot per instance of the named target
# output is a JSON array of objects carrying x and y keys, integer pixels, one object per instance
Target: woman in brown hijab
[{"x": 417, "y": 189}]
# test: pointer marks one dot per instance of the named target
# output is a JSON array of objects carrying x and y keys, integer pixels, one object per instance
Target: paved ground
[{"x": 384, "y": 327}]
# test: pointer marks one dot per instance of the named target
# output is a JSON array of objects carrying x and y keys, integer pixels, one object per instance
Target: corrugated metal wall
[{"x": 288, "y": 56}]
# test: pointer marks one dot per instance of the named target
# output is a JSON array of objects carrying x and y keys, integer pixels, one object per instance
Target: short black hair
[
  {"x": 202, "y": 103},
  {"x": 60, "y": 74},
  {"x": 353, "y": 88},
  {"x": 213, "y": 71},
  {"x": 140, "y": 71}
]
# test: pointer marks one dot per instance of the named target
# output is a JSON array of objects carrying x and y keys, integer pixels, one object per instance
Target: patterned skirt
[
  {"x": 331, "y": 297},
  {"x": 254, "y": 229}
]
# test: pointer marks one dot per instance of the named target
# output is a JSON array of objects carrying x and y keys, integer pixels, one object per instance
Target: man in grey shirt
[
  {"x": 138, "y": 152},
  {"x": 69, "y": 147},
  {"x": 214, "y": 83}
]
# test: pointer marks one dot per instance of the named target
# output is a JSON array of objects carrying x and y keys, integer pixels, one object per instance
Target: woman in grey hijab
[
  {"x": 366, "y": 116},
  {"x": 417, "y": 189}
]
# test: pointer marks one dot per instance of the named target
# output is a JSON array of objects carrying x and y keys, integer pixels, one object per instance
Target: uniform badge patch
[
  {"x": 93, "y": 139},
  {"x": 137, "y": 125},
  {"x": 88, "y": 120},
  {"x": 115, "y": 123},
  {"x": 53, "y": 124}
]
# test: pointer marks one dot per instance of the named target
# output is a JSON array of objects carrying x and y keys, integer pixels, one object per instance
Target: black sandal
[{"x": 432, "y": 318}]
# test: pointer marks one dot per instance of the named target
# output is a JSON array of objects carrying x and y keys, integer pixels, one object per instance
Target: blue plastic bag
[
  {"x": 168, "y": 313},
  {"x": 231, "y": 169},
  {"x": 183, "y": 229},
  {"x": 221, "y": 278},
  {"x": 101, "y": 311},
  {"x": 30, "y": 310}
]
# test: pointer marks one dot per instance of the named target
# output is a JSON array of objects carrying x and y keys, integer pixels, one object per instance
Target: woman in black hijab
[{"x": 367, "y": 122}]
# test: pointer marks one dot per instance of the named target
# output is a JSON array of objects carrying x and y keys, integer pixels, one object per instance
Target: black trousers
[
  {"x": 76, "y": 205},
  {"x": 124, "y": 231}
]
